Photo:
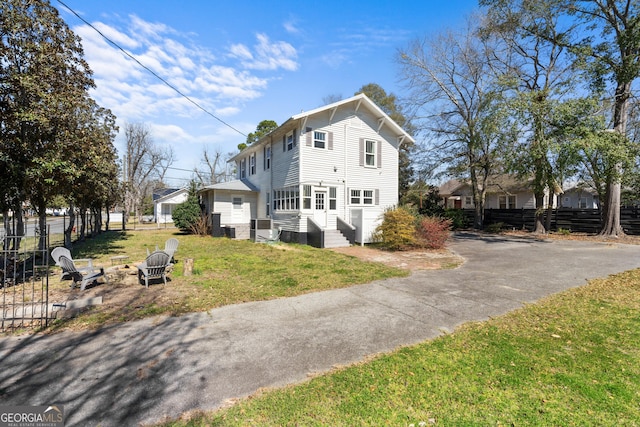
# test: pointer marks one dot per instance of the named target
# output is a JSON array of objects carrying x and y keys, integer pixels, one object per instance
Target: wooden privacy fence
[{"x": 576, "y": 220}]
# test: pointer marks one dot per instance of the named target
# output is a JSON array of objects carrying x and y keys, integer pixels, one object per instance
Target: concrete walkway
[{"x": 142, "y": 371}]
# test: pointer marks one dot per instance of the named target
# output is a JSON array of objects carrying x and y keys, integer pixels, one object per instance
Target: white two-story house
[{"x": 323, "y": 176}]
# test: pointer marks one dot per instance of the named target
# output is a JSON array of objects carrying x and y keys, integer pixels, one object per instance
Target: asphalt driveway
[{"x": 142, "y": 371}]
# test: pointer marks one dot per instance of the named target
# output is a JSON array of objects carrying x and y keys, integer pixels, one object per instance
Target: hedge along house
[{"x": 324, "y": 177}]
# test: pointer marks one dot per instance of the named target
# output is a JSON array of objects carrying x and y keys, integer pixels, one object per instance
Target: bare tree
[
  {"x": 145, "y": 165},
  {"x": 455, "y": 99},
  {"x": 214, "y": 168},
  {"x": 331, "y": 98}
]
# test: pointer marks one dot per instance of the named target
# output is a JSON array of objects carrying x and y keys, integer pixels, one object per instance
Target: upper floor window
[
  {"x": 290, "y": 141},
  {"x": 243, "y": 168},
  {"x": 370, "y": 153},
  {"x": 267, "y": 157},
  {"x": 252, "y": 164},
  {"x": 319, "y": 139}
]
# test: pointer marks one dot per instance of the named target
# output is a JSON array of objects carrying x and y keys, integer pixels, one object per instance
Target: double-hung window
[
  {"x": 507, "y": 202},
  {"x": 367, "y": 197},
  {"x": 243, "y": 168},
  {"x": 333, "y": 198},
  {"x": 363, "y": 197},
  {"x": 267, "y": 157},
  {"x": 306, "y": 197},
  {"x": 319, "y": 139},
  {"x": 252, "y": 164},
  {"x": 355, "y": 197},
  {"x": 370, "y": 153},
  {"x": 290, "y": 141}
]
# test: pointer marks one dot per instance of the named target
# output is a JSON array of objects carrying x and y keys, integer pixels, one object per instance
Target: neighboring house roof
[
  {"x": 450, "y": 187},
  {"x": 581, "y": 188},
  {"x": 236, "y": 185},
  {"x": 162, "y": 192},
  {"x": 360, "y": 101},
  {"x": 498, "y": 184},
  {"x": 507, "y": 184}
]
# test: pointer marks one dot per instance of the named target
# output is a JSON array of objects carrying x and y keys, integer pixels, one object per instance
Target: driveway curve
[{"x": 143, "y": 371}]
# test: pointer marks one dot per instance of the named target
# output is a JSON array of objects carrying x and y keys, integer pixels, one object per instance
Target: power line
[{"x": 150, "y": 70}]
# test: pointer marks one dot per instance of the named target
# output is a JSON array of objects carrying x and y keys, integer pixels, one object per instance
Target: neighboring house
[
  {"x": 503, "y": 192},
  {"x": 579, "y": 197},
  {"x": 164, "y": 202},
  {"x": 329, "y": 169}
]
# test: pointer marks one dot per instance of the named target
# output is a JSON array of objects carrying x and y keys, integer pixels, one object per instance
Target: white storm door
[{"x": 320, "y": 208}]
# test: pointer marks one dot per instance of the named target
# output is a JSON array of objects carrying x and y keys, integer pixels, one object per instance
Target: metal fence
[{"x": 24, "y": 282}]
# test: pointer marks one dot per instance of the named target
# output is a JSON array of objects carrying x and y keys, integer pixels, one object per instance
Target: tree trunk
[
  {"x": 83, "y": 223},
  {"x": 611, "y": 220},
  {"x": 539, "y": 222},
  {"x": 108, "y": 218},
  {"x": 548, "y": 218},
  {"x": 70, "y": 227}
]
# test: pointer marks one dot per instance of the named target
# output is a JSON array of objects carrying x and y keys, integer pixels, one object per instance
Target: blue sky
[{"x": 243, "y": 61}]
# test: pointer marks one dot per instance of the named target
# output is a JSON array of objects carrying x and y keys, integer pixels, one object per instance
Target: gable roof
[
  {"x": 360, "y": 101},
  {"x": 166, "y": 195},
  {"x": 163, "y": 192}
]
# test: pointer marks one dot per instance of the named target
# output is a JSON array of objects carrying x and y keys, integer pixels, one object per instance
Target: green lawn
[
  {"x": 570, "y": 360},
  {"x": 225, "y": 272}
]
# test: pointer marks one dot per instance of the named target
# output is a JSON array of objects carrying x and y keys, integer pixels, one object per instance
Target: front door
[{"x": 320, "y": 208}]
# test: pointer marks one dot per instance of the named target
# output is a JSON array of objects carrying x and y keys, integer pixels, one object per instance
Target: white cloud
[
  {"x": 241, "y": 51},
  {"x": 220, "y": 84},
  {"x": 291, "y": 26},
  {"x": 267, "y": 55},
  {"x": 128, "y": 89}
]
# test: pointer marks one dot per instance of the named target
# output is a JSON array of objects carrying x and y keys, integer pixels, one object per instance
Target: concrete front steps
[{"x": 335, "y": 239}]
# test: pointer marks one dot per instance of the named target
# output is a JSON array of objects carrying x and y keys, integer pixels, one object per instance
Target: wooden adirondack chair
[
  {"x": 59, "y": 251},
  {"x": 154, "y": 267},
  {"x": 69, "y": 268}
]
